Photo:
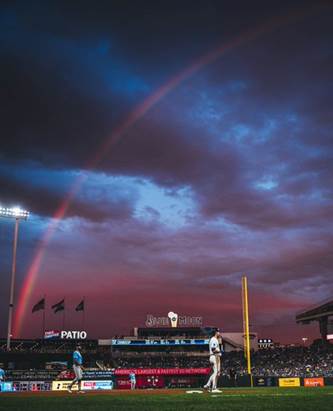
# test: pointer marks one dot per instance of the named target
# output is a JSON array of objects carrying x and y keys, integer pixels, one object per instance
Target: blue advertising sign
[{"x": 6, "y": 386}]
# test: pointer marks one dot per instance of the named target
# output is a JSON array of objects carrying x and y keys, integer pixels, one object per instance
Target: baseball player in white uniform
[{"x": 215, "y": 360}]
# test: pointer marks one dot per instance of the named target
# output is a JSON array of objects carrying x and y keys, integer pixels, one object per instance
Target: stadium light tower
[{"x": 18, "y": 214}]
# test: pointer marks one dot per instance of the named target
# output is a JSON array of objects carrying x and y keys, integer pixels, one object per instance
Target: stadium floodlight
[
  {"x": 14, "y": 212},
  {"x": 18, "y": 214}
]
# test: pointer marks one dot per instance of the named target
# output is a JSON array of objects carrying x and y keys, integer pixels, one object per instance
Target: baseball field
[{"x": 246, "y": 399}]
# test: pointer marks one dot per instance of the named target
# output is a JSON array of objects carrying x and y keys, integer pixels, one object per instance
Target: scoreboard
[
  {"x": 265, "y": 343},
  {"x": 160, "y": 342}
]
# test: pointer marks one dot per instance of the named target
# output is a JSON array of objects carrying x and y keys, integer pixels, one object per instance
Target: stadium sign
[
  {"x": 31, "y": 386},
  {"x": 65, "y": 335},
  {"x": 162, "y": 371},
  {"x": 289, "y": 382},
  {"x": 265, "y": 343},
  {"x": 314, "y": 382},
  {"x": 264, "y": 381},
  {"x": 85, "y": 385},
  {"x": 161, "y": 342},
  {"x": 174, "y": 320},
  {"x": 48, "y": 335},
  {"x": 63, "y": 386},
  {"x": 73, "y": 335},
  {"x": 97, "y": 385},
  {"x": 6, "y": 387}
]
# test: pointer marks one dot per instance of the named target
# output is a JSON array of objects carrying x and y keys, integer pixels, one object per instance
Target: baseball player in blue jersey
[
  {"x": 77, "y": 368},
  {"x": 132, "y": 380},
  {"x": 2, "y": 375}
]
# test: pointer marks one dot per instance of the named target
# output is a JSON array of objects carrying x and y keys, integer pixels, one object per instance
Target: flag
[
  {"x": 39, "y": 306},
  {"x": 60, "y": 306},
  {"x": 80, "y": 306}
]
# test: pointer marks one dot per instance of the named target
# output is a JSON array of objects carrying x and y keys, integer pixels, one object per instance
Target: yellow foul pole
[
  {"x": 247, "y": 350},
  {"x": 244, "y": 325}
]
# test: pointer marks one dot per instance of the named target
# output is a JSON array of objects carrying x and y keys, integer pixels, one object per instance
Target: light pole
[
  {"x": 304, "y": 339},
  {"x": 18, "y": 214}
]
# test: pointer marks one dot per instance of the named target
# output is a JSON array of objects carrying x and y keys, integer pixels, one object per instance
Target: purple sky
[{"x": 229, "y": 174}]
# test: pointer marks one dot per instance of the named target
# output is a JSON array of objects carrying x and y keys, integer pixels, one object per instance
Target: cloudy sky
[{"x": 165, "y": 149}]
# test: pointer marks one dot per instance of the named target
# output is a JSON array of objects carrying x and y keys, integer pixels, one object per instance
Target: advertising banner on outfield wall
[
  {"x": 183, "y": 382},
  {"x": 163, "y": 371},
  {"x": 142, "y": 381},
  {"x": 6, "y": 386},
  {"x": 97, "y": 385},
  {"x": 21, "y": 386},
  {"x": 62, "y": 386},
  {"x": 314, "y": 382},
  {"x": 289, "y": 382},
  {"x": 32, "y": 385},
  {"x": 265, "y": 381},
  {"x": 123, "y": 383},
  {"x": 85, "y": 385}
]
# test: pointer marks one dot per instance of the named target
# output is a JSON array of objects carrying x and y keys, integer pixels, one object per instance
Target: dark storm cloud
[
  {"x": 44, "y": 192},
  {"x": 71, "y": 73},
  {"x": 202, "y": 255},
  {"x": 58, "y": 93},
  {"x": 149, "y": 31},
  {"x": 69, "y": 96},
  {"x": 230, "y": 177}
]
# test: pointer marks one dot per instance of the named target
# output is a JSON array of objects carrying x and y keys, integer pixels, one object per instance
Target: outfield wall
[{"x": 148, "y": 379}]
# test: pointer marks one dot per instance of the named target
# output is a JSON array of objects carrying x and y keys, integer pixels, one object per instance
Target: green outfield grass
[{"x": 268, "y": 399}]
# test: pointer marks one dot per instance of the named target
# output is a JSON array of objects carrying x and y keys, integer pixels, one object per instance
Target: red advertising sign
[
  {"x": 163, "y": 371},
  {"x": 123, "y": 383},
  {"x": 51, "y": 334},
  {"x": 152, "y": 381},
  {"x": 314, "y": 382},
  {"x": 143, "y": 381}
]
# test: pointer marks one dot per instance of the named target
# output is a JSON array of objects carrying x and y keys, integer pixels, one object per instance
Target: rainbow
[{"x": 136, "y": 114}]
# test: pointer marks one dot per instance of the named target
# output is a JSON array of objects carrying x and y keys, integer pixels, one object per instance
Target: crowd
[
  {"x": 294, "y": 361},
  {"x": 313, "y": 361},
  {"x": 46, "y": 346},
  {"x": 277, "y": 362}
]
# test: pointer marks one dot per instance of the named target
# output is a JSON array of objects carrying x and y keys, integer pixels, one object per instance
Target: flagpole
[
  {"x": 63, "y": 316},
  {"x": 43, "y": 329},
  {"x": 83, "y": 313}
]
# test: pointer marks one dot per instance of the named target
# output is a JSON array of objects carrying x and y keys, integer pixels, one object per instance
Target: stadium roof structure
[
  {"x": 324, "y": 309},
  {"x": 321, "y": 313}
]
